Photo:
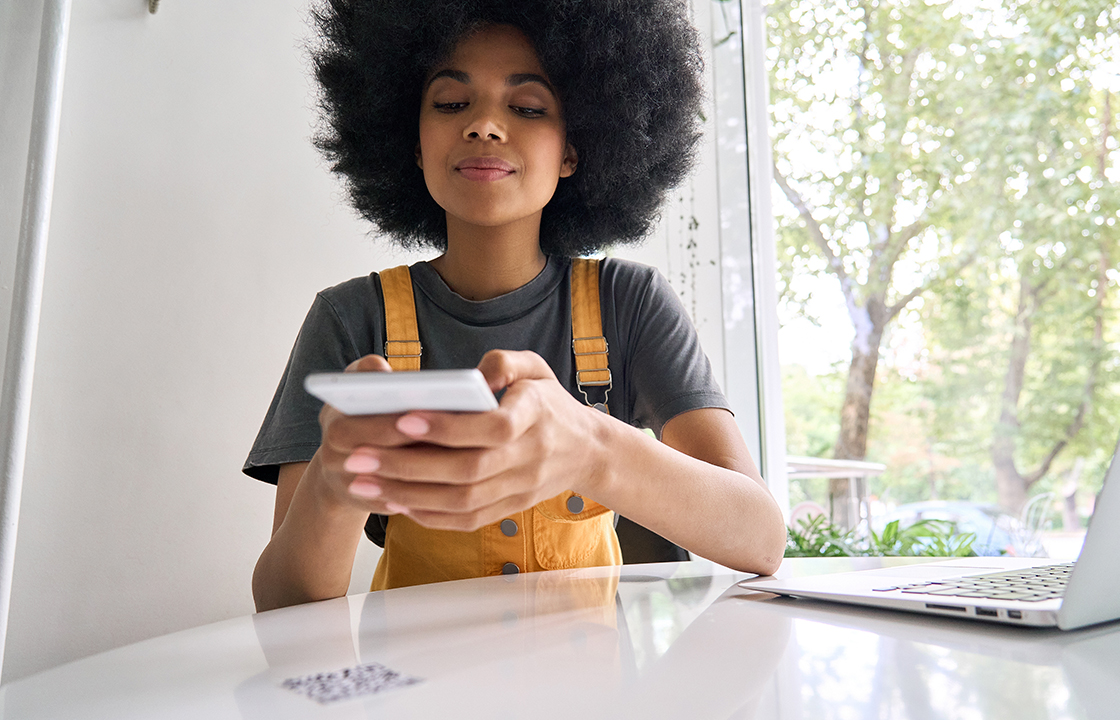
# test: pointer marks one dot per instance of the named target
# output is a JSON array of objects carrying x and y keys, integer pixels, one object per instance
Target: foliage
[
  {"x": 817, "y": 537},
  {"x": 957, "y": 163},
  {"x": 925, "y": 537}
]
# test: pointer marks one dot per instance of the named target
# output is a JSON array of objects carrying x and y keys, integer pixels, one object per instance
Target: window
[
  {"x": 712, "y": 245},
  {"x": 946, "y": 198}
]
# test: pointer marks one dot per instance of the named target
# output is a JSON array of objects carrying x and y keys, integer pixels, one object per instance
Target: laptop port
[
  {"x": 956, "y": 608},
  {"x": 1015, "y": 614},
  {"x": 987, "y": 612}
]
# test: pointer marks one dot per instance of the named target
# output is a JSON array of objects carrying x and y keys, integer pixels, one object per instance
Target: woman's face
[{"x": 492, "y": 141}]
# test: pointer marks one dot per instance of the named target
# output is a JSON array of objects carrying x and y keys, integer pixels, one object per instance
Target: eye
[
  {"x": 449, "y": 107},
  {"x": 528, "y": 111}
]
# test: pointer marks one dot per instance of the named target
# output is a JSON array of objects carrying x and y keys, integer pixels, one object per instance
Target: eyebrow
[{"x": 514, "y": 80}]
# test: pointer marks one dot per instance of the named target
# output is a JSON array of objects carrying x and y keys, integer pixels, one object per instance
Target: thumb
[
  {"x": 502, "y": 368},
  {"x": 369, "y": 363}
]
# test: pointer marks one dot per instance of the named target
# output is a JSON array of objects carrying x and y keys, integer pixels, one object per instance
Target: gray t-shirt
[{"x": 658, "y": 369}]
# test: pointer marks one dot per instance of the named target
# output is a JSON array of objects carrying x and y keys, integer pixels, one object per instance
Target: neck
[{"x": 484, "y": 262}]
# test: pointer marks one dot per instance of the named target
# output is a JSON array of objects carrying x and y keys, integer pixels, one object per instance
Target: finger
[
  {"x": 366, "y": 487},
  {"x": 345, "y": 433},
  {"x": 435, "y": 497},
  {"x": 469, "y": 522},
  {"x": 503, "y": 368},
  {"x": 523, "y": 404},
  {"x": 366, "y": 492},
  {"x": 471, "y": 430},
  {"x": 443, "y": 465},
  {"x": 362, "y": 461},
  {"x": 463, "y": 519}
]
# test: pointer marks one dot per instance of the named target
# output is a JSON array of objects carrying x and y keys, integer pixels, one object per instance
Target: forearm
[
  {"x": 311, "y": 553},
  {"x": 715, "y": 509}
]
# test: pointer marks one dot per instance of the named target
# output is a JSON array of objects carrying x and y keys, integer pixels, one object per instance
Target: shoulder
[
  {"x": 628, "y": 279},
  {"x": 353, "y": 292},
  {"x": 351, "y": 302},
  {"x": 634, "y": 284},
  {"x": 349, "y": 313},
  {"x": 619, "y": 269}
]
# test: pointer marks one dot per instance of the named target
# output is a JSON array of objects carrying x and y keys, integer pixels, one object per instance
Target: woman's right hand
[{"x": 347, "y": 459}]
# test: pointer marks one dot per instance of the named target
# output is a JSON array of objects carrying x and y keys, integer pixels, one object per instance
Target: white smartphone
[{"x": 385, "y": 393}]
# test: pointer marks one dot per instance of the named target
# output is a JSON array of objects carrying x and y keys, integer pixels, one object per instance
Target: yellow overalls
[{"x": 567, "y": 531}]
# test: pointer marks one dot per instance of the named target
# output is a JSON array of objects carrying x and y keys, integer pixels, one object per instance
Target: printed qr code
[{"x": 332, "y": 687}]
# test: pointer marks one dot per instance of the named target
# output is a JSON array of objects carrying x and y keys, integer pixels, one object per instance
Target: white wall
[{"x": 192, "y": 224}]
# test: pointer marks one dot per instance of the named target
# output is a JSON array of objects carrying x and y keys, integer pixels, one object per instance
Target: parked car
[{"x": 997, "y": 532}]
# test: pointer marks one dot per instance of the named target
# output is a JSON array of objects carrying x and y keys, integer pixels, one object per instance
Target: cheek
[
  {"x": 557, "y": 145},
  {"x": 428, "y": 156},
  {"x": 428, "y": 146},
  {"x": 556, "y": 158}
]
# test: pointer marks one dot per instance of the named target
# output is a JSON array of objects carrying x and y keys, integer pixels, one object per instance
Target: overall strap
[
  {"x": 588, "y": 343},
  {"x": 589, "y": 346},
  {"x": 402, "y": 339}
]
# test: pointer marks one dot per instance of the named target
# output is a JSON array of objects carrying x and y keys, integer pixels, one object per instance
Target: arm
[
  {"x": 314, "y": 540},
  {"x": 320, "y": 510},
  {"x": 699, "y": 488}
]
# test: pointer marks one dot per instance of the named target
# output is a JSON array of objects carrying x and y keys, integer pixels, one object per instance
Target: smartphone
[{"x": 385, "y": 393}]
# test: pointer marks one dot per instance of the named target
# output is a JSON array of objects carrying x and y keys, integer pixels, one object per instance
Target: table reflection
[
  {"x": 670, "y": 641},
  {"x": 563, "y": 643}
]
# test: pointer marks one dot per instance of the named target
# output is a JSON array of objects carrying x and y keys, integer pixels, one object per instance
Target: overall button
[
  {"x": 510, "y": 569},
  {"x": 575, "y": 504},
  {"x": 509, "y": 527}
]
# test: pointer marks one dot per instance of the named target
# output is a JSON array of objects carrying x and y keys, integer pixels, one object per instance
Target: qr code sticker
[{"x": 331, "y": 687}]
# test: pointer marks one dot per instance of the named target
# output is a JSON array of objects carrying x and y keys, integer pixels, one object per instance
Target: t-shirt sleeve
[
  {"x": 668, "y": 372},
  {"x": 290, "y": 431}
]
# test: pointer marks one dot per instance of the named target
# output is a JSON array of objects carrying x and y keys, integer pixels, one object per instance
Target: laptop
[{"x": 1018, "y": 591}]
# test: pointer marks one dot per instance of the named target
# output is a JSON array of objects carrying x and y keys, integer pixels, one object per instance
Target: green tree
[
  {"x": 1043, "y": 292},
  {"x": 946, "y": 148}
]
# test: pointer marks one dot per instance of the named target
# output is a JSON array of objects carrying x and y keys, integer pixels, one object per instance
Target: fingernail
[
  {"x": 361, "y": 462},
  {"x": 396, "y": 509},
  {"x": 363, "y": 489},
  {"x": 413, "y": 426}
]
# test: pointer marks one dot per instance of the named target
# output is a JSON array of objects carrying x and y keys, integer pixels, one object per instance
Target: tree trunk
[
  {"x": 1070, "y": 519},
  {"x": 1011, "y": 486},
  {"x": 855, "y": 416}
]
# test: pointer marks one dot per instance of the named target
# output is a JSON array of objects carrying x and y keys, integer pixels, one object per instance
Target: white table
[{"x": 654, "y": 641}]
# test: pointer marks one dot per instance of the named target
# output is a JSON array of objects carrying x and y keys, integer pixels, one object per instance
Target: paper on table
[{"x": 331, "y": 687}]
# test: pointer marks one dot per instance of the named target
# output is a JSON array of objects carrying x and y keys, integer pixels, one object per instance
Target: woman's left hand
[{"x": 468, "y": 470}]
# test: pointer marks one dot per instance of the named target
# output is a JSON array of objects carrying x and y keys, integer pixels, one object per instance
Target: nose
[{"x": 484, "y": 124}]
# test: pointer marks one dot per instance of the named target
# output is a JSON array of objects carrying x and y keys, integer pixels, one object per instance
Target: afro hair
[{"x": 628, "y": 74}]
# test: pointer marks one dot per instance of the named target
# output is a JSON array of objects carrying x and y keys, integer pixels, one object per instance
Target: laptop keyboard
[{"x": 1032, "y": 585}]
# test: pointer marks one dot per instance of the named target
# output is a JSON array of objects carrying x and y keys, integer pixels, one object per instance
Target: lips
[{"x": 484, "y": 169}]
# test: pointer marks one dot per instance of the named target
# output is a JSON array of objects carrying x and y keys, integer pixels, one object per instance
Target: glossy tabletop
[{"x": 644, "y": 641}]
